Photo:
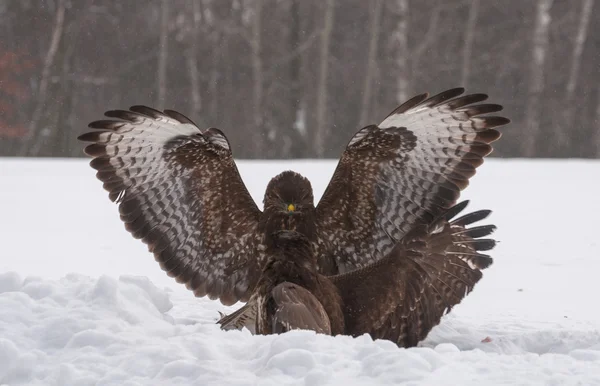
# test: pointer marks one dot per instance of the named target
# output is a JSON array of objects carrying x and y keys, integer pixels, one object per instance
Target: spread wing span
[
  {"x": 179, "y": 191},
  {"x": 405, "y": 172}
]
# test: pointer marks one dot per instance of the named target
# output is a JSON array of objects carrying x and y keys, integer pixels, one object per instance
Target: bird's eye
[{"x": 291, "y": 207}]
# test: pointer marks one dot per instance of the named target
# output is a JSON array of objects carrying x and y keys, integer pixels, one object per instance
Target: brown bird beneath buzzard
[{"x": 179, "y": 190}]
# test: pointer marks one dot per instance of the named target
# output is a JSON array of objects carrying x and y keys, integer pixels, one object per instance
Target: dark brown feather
[
  {"x": 442, "y": 97},
  {"x": 409, "y": 104},
  {"x": 472, "y": 217},
  {"x": 104, "y": 124},
  {"x": 179, "y": 117},
  {"x": 147, "y": 111},
  {"x": 465, "y": 100},
  {"x": 472, "y": 111},
  {"x": 295, "y": 308}
]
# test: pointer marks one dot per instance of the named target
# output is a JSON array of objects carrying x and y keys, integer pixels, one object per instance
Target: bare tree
[
  {"x": 192, "y": 60},
  {"x": 257, "y": 76},
  {"x": 584, "y": 21},
  {"x": 295, "y": 82},
  {"x": 374, "y": 25},
  {"x": 63, "y": 138},
  {"x": 536, "y": 75},
  {"x": 163, "y": 53},
  {"x": 427, "y": 40},
  {"x": 42, "y": 93},
  {"x": 399, "y": 38},
  {"x": 582, "y": 28},
  {"x": 468, "y": 45},
  {"x": 320, "y": 137},
  {"x": 214, "y": 74},
  {"x": 292, "y": 78}
]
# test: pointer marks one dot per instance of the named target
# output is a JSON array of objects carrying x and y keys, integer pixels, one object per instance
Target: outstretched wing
[
  {"x": 295, "y": 308},
  {"x": 403, "y": 296},
  {"x": 179, "y": 191},
  {"x": 404, "y": 172}
]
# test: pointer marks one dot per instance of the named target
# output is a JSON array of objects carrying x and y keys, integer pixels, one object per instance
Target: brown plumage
[
  {"x": 403, "y": 296},
  {"x": 291, "y": 293},
  {"x": 400, "y": 297},
  {"x": 179, "y": 190}
]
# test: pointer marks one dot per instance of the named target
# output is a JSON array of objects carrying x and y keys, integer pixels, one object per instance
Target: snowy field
[{"x": 83, "y": 303}]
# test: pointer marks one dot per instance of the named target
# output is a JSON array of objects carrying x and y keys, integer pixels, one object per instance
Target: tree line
[{"x": 296, "y": 78}]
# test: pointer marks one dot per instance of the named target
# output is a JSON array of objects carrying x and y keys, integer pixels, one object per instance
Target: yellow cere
[{"x": 291, "y": 208}]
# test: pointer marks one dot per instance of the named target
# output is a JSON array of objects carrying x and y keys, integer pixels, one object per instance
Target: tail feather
[
  {"x": 465, "y": 243},
  {"x": 477, "y": 260},
  {"x": 472, "y": 217},
  {"x": 479, "y": 244},
  {"x": 476, "y": 232},
  {"x": 455, "y": 210},
  {"x": 452, "y": 259},
  {"x": 243, "y": 317}
]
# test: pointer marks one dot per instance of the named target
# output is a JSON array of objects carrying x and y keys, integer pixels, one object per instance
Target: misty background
[{"x": 297, "y": 78}]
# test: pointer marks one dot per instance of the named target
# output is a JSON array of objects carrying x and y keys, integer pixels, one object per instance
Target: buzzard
[
  {"x": 179, "y": 190},
  {"x": 400, "y": 297}
]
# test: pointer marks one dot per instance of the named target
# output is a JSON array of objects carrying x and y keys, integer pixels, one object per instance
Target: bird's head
[
  {"x": 289, "y": 193},
  {"x": 289, "y": 204}
]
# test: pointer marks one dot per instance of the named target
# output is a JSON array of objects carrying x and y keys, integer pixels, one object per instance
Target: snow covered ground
[{"x": 83, "y": 303}]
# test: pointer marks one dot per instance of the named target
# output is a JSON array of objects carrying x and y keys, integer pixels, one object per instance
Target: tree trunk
[
  {"x": 468, "y": 45},
  {"x": 536, "y": 74},
  {"x": 42, "y": 94},
  {"x": 257, "y": 76},
  {"x": 582, "y": 30},
  {"x": 64, "y": 137},
  {"x": 163, "y": 53},
  {"x": 58, "y": 136},
  {"x": 320, "y": 135},
  {"x": 375, "y": 23},
  {"x": 294, "y": 141},
  {"x": 192, "y": 62},
  {"x": 213, "y": 87},
  {"x": 426, "y": 41},
  {"x": 400, "y": 40}
]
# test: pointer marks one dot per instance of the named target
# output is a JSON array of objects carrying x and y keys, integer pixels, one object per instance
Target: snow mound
[
  {"x": 80, "y": 330},
  {"x": 530, "y": 321}
]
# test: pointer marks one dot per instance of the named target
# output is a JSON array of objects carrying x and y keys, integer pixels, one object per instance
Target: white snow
[{"x": 83, "y": 303}]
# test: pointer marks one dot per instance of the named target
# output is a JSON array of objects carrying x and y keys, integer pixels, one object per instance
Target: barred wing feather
[
  {"x": 404, "y": 172},
  {"x": 179, "y": 191}
]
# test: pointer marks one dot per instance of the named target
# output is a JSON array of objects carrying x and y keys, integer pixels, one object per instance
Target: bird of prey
[
  {"x": 179, "y": 190},
  {"x": 400, "y": 297}
]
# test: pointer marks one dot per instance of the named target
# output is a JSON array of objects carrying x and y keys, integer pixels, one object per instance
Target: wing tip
[
  {"x": 179, "y": 117},
  {"x": 95, "y": 150},
  {"x": 472, "y": 217}
]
